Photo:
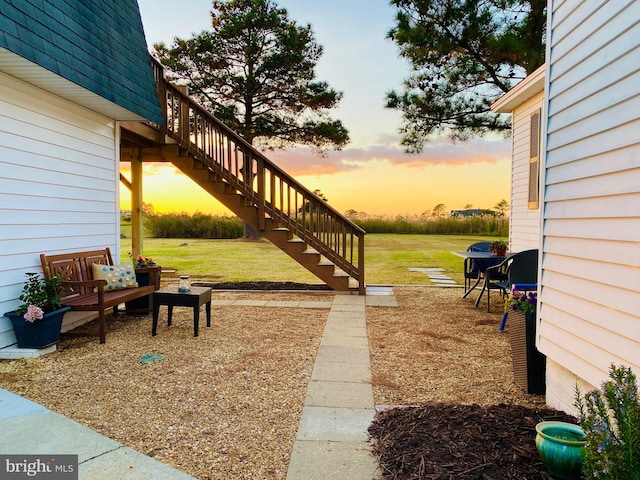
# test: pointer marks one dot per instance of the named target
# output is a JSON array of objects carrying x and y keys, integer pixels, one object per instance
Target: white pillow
[{"x": 118, "y": 277}]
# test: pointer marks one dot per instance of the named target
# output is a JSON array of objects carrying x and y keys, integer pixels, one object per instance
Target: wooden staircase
[{"x": 273, "y": 203}]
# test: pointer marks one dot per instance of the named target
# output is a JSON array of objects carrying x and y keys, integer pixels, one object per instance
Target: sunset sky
[{"x": 372, "y": 174}]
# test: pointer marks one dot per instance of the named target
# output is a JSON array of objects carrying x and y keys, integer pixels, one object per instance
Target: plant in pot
[
  {"x": 498, "y": 247},
  {"x": 147, "y": 273},
  {"x": 143, "y": 262},
  {"x": 529, "y": 364},
  {"x": 38, "y": 320}
]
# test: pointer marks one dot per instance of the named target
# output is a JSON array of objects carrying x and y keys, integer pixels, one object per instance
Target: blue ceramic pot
[
  {"x": 39, "y": 334},
  {"x": 560, "y": 446}
]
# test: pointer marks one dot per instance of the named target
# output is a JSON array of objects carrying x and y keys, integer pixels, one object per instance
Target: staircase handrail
[{"x": 204, "y": 133}]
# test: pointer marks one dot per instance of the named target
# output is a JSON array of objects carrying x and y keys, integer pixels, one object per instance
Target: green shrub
[
  {"x": 198, "y": 225},
  {"x": 610, "y": 419},
  {"x": 201, "y": 225},
  {"x": 478, "y": 225}
]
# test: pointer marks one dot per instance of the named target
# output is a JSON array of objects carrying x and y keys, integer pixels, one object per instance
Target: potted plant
[
  {"x": 147, "y": 273},
  {"x": 528, "y": 363},
  {"x": 38, "y": 320},
  {"x": 498, "y": 247},
  {"x": 143, "y": 262}
]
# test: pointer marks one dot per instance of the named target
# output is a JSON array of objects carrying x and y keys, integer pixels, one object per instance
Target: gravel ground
[
  {"x": 438, "y": 348},
  {"x": 227, "y": 404},
  {"x": 223, "y": 405}
]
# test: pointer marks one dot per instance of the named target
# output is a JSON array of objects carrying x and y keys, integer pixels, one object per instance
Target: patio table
[{"x": 473, "y": 255}]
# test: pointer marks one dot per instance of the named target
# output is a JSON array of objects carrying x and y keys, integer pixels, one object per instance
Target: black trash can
[{"x": 529, "y": 365}]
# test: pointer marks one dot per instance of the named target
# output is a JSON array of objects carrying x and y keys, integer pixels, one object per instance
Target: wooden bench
[{"x": 82, "y": 292}]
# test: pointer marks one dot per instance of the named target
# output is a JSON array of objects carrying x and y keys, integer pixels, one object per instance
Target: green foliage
[
  {"x": 465, "y": 54},
  {"x": 498, "y": 246},
  {"x": 40, "y": 292},
  {"x": 610, "y": 419},
  {"x": 255, "y": 70},
  {"x": 476, "y": 225},
  {"x": 198, "y": 225},
  {"x": 501, "y": 208}
]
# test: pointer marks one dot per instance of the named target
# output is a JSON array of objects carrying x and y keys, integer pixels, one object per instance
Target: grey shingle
[{"x": 97, "y": 44}]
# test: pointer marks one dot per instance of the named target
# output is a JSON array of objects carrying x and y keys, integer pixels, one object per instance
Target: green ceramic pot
[{"x": 560, "y": 446}]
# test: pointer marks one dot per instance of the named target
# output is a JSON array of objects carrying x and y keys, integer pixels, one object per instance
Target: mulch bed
[
  {"x": 262, "y": 286},
  {"x": 454, "y": 441}
]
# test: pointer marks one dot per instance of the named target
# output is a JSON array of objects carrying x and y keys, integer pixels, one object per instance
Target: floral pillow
[{"x": 118, "y": 277}]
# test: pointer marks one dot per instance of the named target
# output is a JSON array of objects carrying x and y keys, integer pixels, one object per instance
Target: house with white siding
[
  {"x": 524, "y": 103},
  {"x": 70, "y": 72},
  {"x": 589, "y": 197}
]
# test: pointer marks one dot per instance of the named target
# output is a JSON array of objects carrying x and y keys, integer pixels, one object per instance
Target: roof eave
[
  {"x": 27, "y": 71},
  {"x": 523, "y": 91}
]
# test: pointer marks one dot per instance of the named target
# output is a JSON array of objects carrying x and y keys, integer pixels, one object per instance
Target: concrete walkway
[
  {"x": 332, "y": 440},
  {"x": 27, "y": 428}
]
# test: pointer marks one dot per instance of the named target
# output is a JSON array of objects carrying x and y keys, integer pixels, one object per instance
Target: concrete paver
[
  {"x": 332, "y": 461},
  {"x": 339, "y": 394},
  {"x": 341, "y": 372},
  {"x": 335, "y": 424},
  {"x": 331, "y": 353}
]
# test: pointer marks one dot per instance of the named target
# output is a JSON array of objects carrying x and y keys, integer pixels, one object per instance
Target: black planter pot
[
  {"x": 529, "y": 365},
  {"x": 39, "y": 334},
  {"x": 144, "y": 305}
]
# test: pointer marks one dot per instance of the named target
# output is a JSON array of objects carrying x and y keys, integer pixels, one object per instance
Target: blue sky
[{"x": 362, "y": 63}]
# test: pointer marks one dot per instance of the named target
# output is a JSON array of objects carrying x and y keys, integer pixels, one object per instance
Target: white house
[
  {"x": 524, "y": 102},
  {"x": 589, "y": 220},
  {"x": 69, "y": 72}
]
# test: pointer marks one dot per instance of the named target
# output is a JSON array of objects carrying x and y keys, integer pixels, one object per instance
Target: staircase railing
[{"x": 263, "y": 184}]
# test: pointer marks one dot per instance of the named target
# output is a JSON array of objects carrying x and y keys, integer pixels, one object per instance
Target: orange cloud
[{"x": 302, "y": 161}]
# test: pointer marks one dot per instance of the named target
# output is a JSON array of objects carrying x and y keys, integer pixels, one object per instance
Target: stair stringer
[{"x": 310, "y": 259}]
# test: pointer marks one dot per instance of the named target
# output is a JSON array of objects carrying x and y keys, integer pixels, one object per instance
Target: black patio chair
[
  {"x": 519, "y": 269},
  {"x": 473, "y": 271}
]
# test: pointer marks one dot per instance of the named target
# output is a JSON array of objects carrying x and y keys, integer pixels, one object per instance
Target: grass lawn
[{"x": 388, "y": 258}]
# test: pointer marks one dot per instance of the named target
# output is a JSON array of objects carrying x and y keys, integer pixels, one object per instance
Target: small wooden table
[{"x": 171, "y": 297}]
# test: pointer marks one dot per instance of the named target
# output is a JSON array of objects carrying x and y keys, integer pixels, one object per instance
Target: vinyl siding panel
[
  {"x": 58, "y": 184},
  {"x": 524, "y": 228},
  {"x": 590, "y": 281}
]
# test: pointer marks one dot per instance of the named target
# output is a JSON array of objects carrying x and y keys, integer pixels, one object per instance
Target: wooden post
[
  {"x": 362, "y": 287},
  {"x": 136, "y": 205}
]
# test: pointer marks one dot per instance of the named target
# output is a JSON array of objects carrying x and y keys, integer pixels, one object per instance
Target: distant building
[{"x": 472, "y": 212}]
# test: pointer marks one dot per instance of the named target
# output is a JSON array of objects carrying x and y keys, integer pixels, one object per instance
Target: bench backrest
[{"x": 75, "y": 266}]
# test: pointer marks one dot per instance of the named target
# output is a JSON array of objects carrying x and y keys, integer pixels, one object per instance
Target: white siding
[
  {"x": 58, "y": 184},
  {"x": 590, "y": 283},
  {"x": 524, "y": 225}
]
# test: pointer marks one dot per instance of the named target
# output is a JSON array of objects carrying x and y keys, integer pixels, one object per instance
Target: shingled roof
[{"x": 99, "y": 45}]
